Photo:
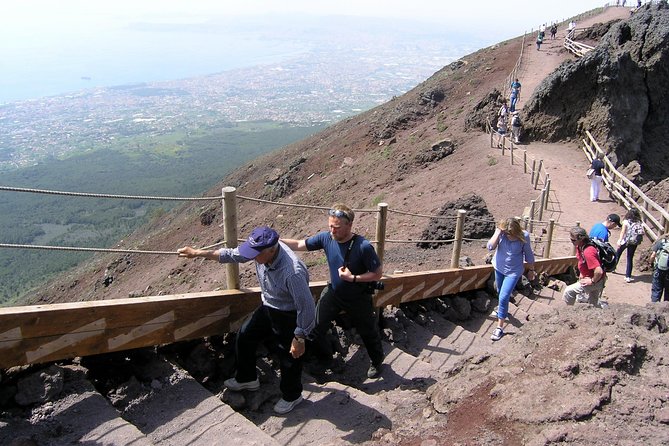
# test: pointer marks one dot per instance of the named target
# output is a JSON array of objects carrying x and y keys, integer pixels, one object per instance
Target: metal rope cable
[
  {"x": 421, "y": 215},
  {"x": 125, "y": 197}
]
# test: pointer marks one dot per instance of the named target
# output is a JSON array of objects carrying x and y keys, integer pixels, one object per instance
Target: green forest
[{"x": 176, "y": 165}]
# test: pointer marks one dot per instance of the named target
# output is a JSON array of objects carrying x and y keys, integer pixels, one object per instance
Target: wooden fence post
[
  {"x": 549, "y": 241},
  {"x": 534, "y": 171},
  {"x": 503, "y": 144},
  {"x": 548, "y": 192},
  {"x": 573, "y": 247},
  {"x": 524, "y": 161},
  {"x": 542, "y": 197},
  {"x": 533, "y": 203},
  {"x": 381, "y": 222},
  {"x": 457, "y": 246},
  {"x": 511, "y": 153},
  {"x": 230, "y": 231},
  {"x": 538, "y": 174}
]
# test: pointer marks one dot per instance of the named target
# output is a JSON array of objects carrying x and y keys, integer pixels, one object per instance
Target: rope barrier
[
  {"x": 72, "y": 248},
  {"x": 91, "y": 195},
  {"x": 294, "y": 205},
  {"x": 441, "y": 217}
]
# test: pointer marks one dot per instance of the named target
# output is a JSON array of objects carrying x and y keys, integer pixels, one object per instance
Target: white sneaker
[
  {"x": 282, "y": 406},
  {"x": 628, "y": 279},
  {"x": 497, "y": 334},
  {"x": 236, "y": 386}
]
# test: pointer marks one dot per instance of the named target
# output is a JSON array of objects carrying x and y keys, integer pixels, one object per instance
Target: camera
[{"x": 376, "y": 286}]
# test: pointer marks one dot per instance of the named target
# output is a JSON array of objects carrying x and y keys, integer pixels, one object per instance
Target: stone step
[
  {"x": 331, "y": 414},
  {"x": 443, "y": 344},
  {"x": 78, "y": 415},
  {"x": 177, "y": 410}
]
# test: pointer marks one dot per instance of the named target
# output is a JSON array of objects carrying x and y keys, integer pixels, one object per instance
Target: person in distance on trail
[
  {"x": 287, "y": 314},
  {"x": 591, "y": 275},
  {"x": 571, "y": 30},
  {"x": 501, "y": 130},
  {"x": 503, "y": 110},
  {"x": 515, "y": 94},
  {"x": 596, "y": 181},
  {"x": 602, "y": 230},
  {"x": 660, "y": 260},
  {"x": 631, "y": 235},
  {"x": 540, "y": 39},
  {"x": 515, "y": 126},
  {"x": 354, "y": 266},
  {"x": 512, "y": 246},
  {"x": 553, "y": 31}
]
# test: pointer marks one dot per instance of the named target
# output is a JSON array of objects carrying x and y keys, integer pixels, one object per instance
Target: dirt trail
[{"x": 566, "y": 163}]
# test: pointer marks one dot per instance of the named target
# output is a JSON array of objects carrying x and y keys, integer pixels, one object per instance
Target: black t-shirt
[{"x": 597, "y": 165}]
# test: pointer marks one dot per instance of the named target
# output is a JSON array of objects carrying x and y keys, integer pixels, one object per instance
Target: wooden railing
[
  {"x": 43, "y": 333},
  {"x": 626, "y": 193},
  {"x": 577, "y": 48}
]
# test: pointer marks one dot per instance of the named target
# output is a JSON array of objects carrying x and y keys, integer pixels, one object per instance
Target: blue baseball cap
[{"x": 261, "y": 238}]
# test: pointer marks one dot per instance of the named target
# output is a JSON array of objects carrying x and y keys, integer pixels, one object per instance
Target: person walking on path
[
  {"x": 512, "y": 248},
  {"x": 353, "y": 265},
  {"x": 553, "y": 31},
  {"x": 631, "y": 235},
  {"x": 602, "y": 230},
  {"x": 515, "y": 126},
  {"x": 597, "y": 166},
  {"x": 287, "y": 314},
  {"x": 660, "y": 261},
  {"x": 540, "y": 39},
  {"x": 515, "y": 94},
  {"x": 591, "y": 275},
  {"x": 502, "y": 130}
]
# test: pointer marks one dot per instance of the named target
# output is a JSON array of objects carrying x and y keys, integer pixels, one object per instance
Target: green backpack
[{"x": 662, "y": 257}]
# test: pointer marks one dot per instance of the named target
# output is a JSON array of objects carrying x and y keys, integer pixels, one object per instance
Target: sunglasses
[
  {"x": 339, "y": 214},
  {"x": 574, "y": 240}
]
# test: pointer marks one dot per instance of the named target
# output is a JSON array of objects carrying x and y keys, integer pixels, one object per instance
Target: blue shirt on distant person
[{"x": 599, "y": 231}]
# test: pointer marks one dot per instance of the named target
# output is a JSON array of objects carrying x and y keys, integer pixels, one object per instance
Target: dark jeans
[
  {"x": 659, "y": 285},
  {"x": 631, "y": 249},
  {"x": 360, "y": 309},
  {"x": 279, "y": 326}
]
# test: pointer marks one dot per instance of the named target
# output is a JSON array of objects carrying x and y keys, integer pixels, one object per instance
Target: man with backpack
[
  {"x": 602, "y": 230},
  {"x": 660, "y": 260},
  {"x": 591, "y": 275}
]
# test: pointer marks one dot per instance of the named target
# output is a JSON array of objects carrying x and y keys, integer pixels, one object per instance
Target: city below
[{"x": 319, "y": 87}]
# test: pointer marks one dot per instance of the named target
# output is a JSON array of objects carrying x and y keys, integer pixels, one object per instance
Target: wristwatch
[{"x": 299, "y": 340}]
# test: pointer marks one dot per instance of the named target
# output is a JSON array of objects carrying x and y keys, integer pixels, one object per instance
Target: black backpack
[{"x": 606, "y": 252}]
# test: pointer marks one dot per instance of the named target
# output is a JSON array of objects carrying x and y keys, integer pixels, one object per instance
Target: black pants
[
  {"x": 279, "y": 326},
  {"x": 631, "y": 249},
  {"x": 360, "y": 309}
]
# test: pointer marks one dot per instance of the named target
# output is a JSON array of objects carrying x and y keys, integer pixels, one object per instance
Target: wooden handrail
[
  {"x": 44, "y": 333},
  {"x": 623, "y": 189}
]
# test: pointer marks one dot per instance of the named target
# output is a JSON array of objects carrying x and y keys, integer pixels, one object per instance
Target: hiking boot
[
  {"x": 283, "y": 407},
  {"x": 497, "y": 334},
  {"x": 374, "y": 371},
  {"x": 236, "y": 386}
]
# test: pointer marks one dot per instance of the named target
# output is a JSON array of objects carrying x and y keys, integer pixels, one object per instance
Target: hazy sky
[
  {"x": 51, "y": 46},
  {"x": 42, "y": 16}
]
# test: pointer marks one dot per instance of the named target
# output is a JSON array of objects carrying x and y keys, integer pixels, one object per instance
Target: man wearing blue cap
[{"x": 287, "y": 313}]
